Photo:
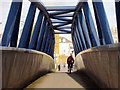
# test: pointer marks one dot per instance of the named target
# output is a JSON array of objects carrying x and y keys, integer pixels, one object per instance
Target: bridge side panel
[
  {"x": 21, "y": 66},
  {"x": 101, "y": 64}
]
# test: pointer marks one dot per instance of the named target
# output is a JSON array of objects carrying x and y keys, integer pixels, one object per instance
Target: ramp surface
[{"x": 62, "y": 80}]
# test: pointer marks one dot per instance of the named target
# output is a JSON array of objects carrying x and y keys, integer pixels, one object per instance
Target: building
[{"x": 65, "y": 46}]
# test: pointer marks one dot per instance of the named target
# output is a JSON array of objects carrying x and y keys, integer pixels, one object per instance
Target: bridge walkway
[{"x": 64, "y": 80}]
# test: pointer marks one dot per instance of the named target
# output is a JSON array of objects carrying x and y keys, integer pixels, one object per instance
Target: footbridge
[{"x": 24, "y": 60}]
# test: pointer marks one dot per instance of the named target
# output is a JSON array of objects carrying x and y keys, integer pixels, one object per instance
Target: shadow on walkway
[{"x": 83, "y": 79}]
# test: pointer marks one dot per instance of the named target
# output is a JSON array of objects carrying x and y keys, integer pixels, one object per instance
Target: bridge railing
[
  {"x": 84, "y": 33},
  {"x": 40, "y": 38}
]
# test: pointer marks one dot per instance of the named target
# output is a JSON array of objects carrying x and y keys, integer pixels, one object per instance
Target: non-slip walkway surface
[{"x": 62, "y": 80}]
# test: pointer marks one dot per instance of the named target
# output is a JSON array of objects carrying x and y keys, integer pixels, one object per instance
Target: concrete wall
[
  {"x": 101, "y": 64},
  {"x": 21, "y": 66}
]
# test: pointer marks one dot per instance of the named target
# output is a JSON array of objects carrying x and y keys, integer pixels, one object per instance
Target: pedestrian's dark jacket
[{"x": 70, "y": 60}]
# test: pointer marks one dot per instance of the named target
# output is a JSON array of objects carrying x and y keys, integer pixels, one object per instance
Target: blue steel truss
[{"x": 77, "y": 21}]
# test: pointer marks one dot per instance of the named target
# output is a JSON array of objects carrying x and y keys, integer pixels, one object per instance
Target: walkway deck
[{"x": 63, "y": 80}]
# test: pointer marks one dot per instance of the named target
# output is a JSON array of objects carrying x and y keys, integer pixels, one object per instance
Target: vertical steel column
[
  {"x": 40, "y": 38},
  {"x": 117, "y": 4},
  {"x": 50, "y": 42},
  {"x": 74, "y": 46},
  {"x": 14, "y": 38},
  {"x": 52, "y": 48},
  {"x": 101, "y": 15},
  {"x": 12, "y": 25},
  {"x": 77, "y": 47},
  {"x": 33, "y": 42},
  {"x": 44, "y": 38},
  {"x": 100, "y": 32},
  {"x": 80, "y": 33},
  {"x": 77, "y": 42},
  {"x": 90, "y": 25},
  {"x": 25, "y": 37},
  {"x": 79, "y": 38},
  {"x": 47, "y": 41},
  {"x": 85, "y": 29}
]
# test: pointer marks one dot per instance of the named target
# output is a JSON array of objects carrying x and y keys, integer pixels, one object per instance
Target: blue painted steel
[
  {"x": 25, "y": 37},
  {"x": 63, "y": 24},
  {"x": 76, "y": 45},
  {"x": 77, "y": 42},
  {"x": 99, "y": 8},
  {"x": 49, "y": 46},
  {"x": 52, "y": 48},
  {"x": 75, "y": 49},
  {"x": 60, "y": 8},
  {"x": 44, "y": 38},
  {"x": 90, "y": 25},
  {"x": 33, "y": 42},
  {"x": 85, "y": 29},
  {"x": 11, "y": 28},
  {"x": 66, "y": 15},
  {"x": 100, "y": 32},
  {"x": 117, "y": 4},
  {"x": 61, "y": 18},
  {"x": 14, "y": 38},
  {"x": 60, "y": 12},
  {"x": 47, "y": 41},
  {"x": 67, "y": 27},
  {"x": 40, "y": 38},
  {"x": 81, "y": 33},
  {"x": 79, "y": 39}
]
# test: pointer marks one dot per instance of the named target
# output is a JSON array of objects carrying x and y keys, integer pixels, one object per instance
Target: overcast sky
[{"x": 5, "y": 6}]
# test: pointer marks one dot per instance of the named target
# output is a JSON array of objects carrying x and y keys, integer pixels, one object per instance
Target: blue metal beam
[
  {"x": 60, "y": 12},
  {"x": 12, "y": 25},
  {"x": 50, "y": 43},
  {"x": 76, "y": 45},
  {"x": 63, "y": 24},
  {"x": 40, "y": 38},
  {"x": 75, "y": 49},
  {"x": 80, "y": 32},
  {"x": 77, "y": 42},
  {"x": 67, "y": 27},
  {"x": 66, "y": 15},
  {"x": 81, "y": 45},
  {"x": 47, "y": 41},
  {"x": 51, "y": 48},
  {"x": 61, "y": 18},
  {"x": 44, "y": 38},
  {"x": 60, "y": 8},
  {"x": 90, "y": 25},
  {"x": 117, "y": 5},
  {"x": 33, "y": 42},
  {"x": 103, "y": 22},
  {"x": 25, "y": 37},
  {"x": 14, "y": 38},
  {"x": 100, "y": 32},
  {"x": 85, "y": 29}
]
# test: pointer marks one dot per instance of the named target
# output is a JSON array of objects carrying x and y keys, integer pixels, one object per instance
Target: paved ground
[{"x": 63, "y": 80}]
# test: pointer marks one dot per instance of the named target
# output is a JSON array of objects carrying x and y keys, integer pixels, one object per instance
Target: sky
[{"x": 5, "y": 6}]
